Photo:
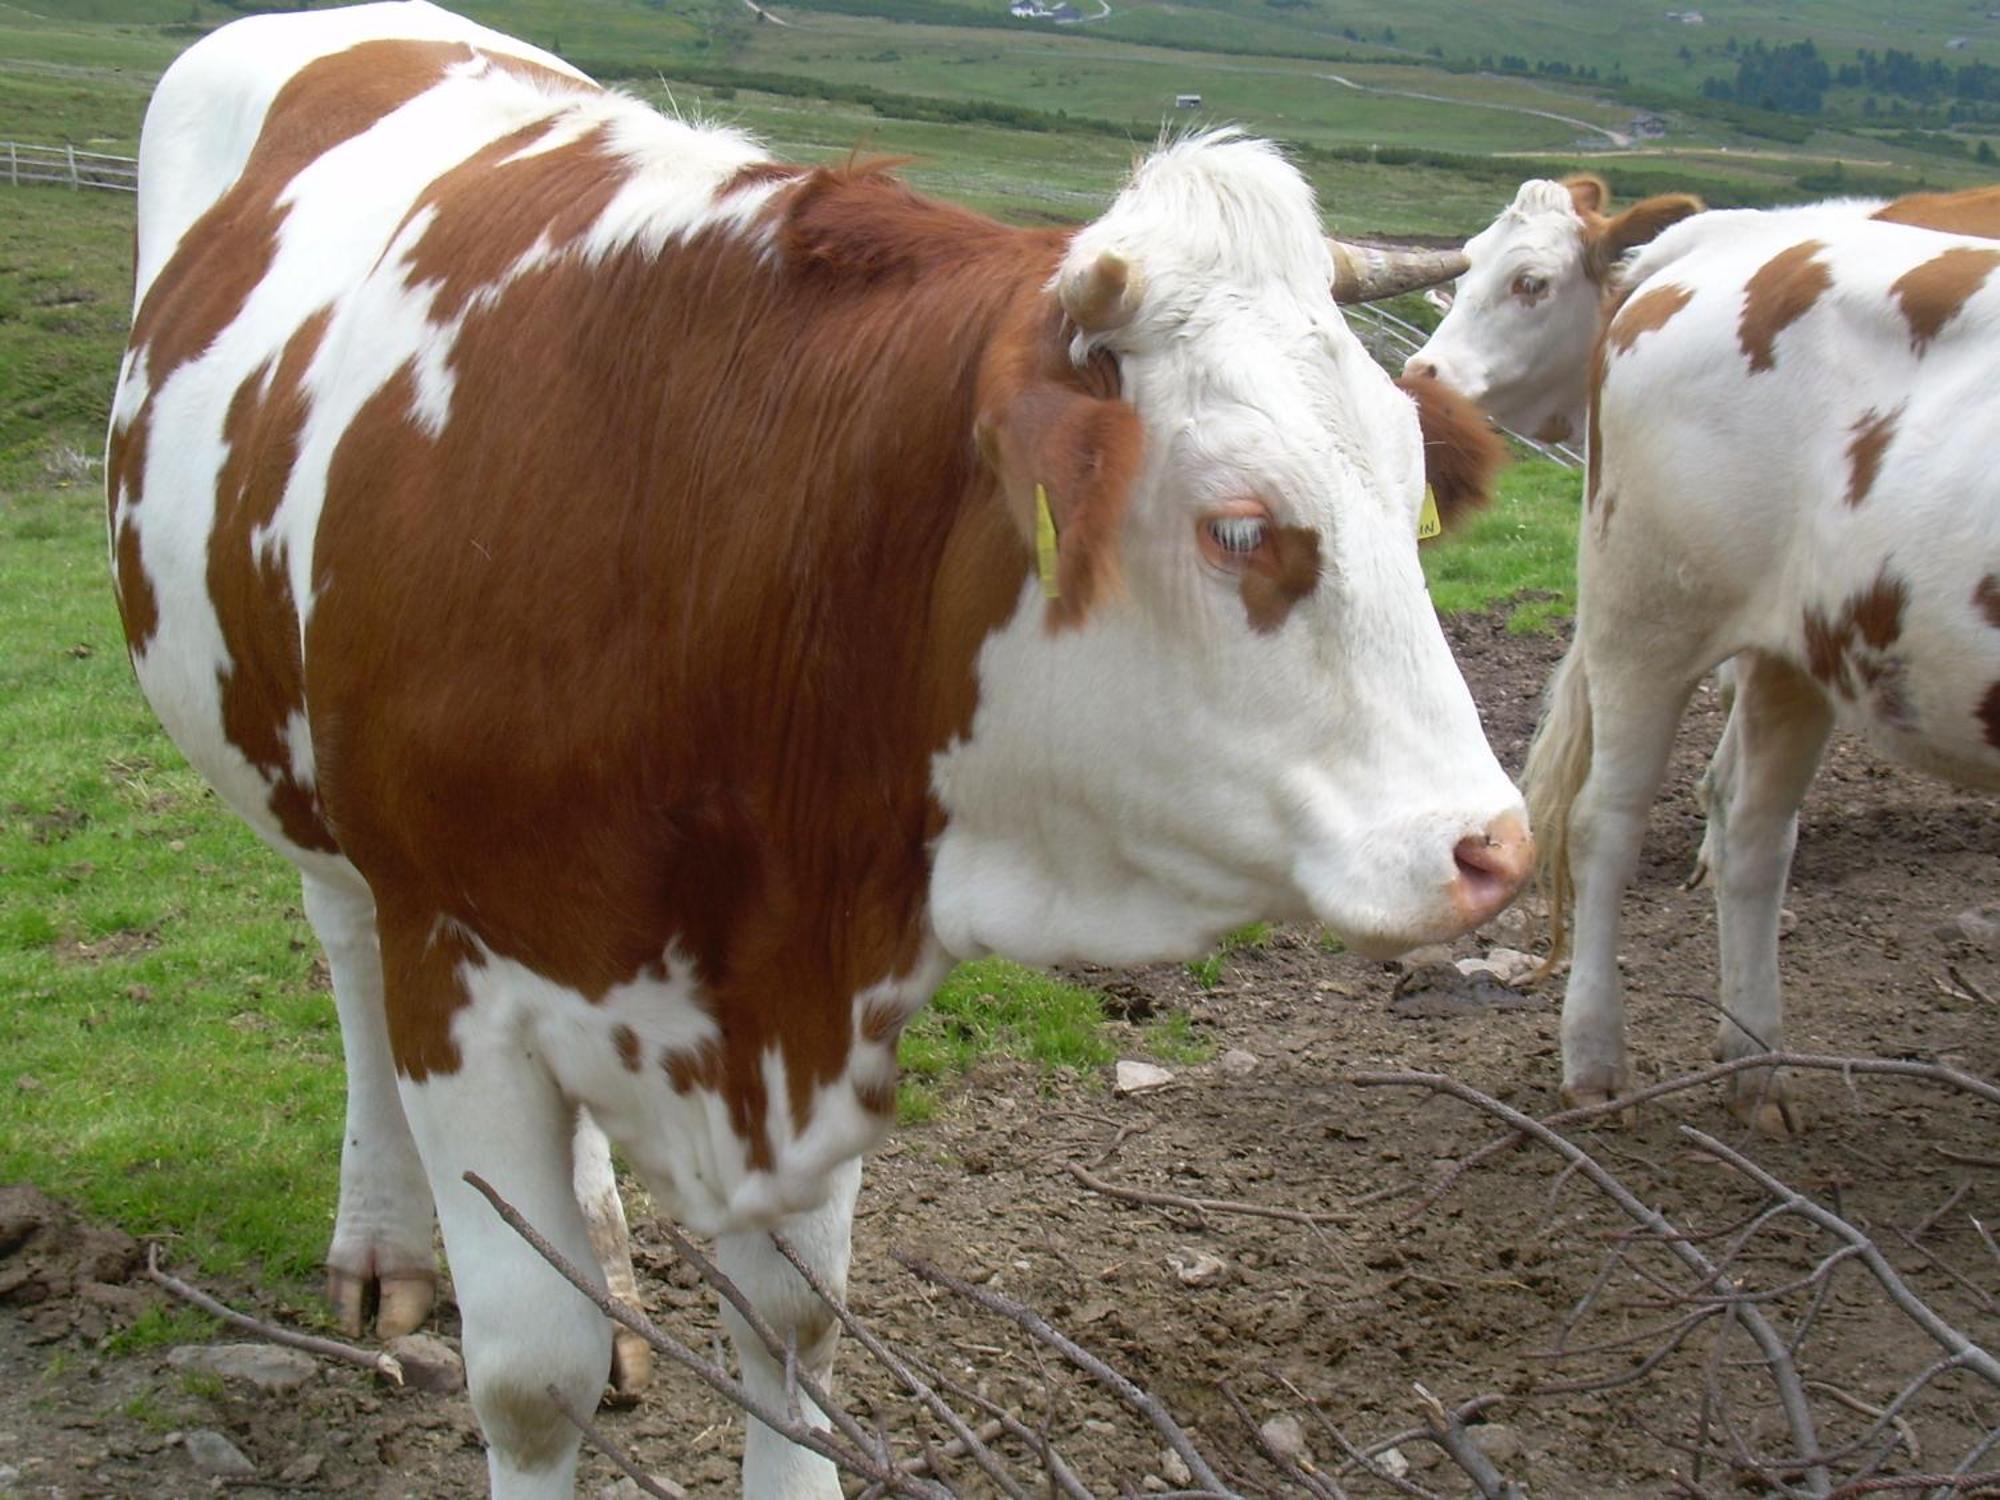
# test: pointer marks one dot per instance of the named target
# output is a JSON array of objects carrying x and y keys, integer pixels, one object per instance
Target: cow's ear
[
  {"x": 1588, "y": 194},
  {"x": 1640, "y": 224},
  {"x": 1462, "y": 452},
  {"x": 1066, "y": 461}
]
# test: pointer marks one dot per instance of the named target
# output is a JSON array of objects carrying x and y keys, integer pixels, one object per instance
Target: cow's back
[{"x": 1792, "y": 427}]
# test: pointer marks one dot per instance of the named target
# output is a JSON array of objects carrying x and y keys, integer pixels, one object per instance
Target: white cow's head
[
  {"x": 1240, "y": 705},
  {"x": 1517, "y": 335}
]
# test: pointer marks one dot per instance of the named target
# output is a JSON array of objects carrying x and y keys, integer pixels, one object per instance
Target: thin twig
[
  {"x": 1447, "y": 1430},
  {"x": 385, "y": 1365},
  {"x": 659, "y": 1489}
]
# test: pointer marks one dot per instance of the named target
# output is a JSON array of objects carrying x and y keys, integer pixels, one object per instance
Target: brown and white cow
[
  {"x": 670, "y": 603},
  {"x": 1791, "y": 428}
]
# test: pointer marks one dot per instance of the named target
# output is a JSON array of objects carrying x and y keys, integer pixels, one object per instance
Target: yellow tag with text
[
  {"x": 1045, "y": 545},
  {"x": 1428, "y": 524}
]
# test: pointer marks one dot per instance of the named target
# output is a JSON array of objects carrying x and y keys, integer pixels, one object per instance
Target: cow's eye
[
  {"x": 1236, "y": 536},
  {"x": 1528, "y": 287}
]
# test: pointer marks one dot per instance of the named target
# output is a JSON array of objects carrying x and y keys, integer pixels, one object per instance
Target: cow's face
[
  {"x": 1249, "y": 710},
  {"x": 1517, "y": 335}
]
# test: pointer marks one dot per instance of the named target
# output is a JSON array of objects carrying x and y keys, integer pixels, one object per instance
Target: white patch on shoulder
[{"x": 676, "y": 171}]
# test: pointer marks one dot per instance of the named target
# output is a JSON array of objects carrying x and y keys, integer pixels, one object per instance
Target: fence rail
[{"x": 65, "y": 166}]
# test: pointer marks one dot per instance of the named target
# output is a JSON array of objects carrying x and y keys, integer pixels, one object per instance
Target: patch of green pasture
[
  {"x": 65, "y": 297},
  {"x": 1207, "y": 971},
  {"x": 1519, "y": 554}
]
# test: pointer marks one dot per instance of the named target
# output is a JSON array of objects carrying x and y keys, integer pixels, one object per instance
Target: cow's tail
[{"x": 1558, "y": 762}]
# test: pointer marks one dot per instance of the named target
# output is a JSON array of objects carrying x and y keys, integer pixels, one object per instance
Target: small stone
[
  {"x": 1286, "y": 1438},
  {"x": 213, "y": 1453},
  {"x": 1392, "y": 1462},
  {"x": 1152, "y": 1484},
  {"x": 1237, "y": 1063},
  {"x": 1175, "y": 1469},
  {"x": 9, "y": 1474},
  {"x": 1496, "y": 1440},
  {"x": 304, "y": 1469},
  {"x": 272, "y": 1368},
  {"x": 28, "y": 1083},
  {"x": 177, "y": 846},
  {"x": 1199, "y": 1268},
  {"x": 429, "y": 1364},
  {"x": 1788, "y": 921},
  {"x": 1138, "y": 1077}
]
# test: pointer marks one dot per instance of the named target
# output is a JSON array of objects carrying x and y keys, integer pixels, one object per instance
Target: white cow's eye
[
  {"x": 1529, "y": 286},
  {"x": 1237, "y": 536}
]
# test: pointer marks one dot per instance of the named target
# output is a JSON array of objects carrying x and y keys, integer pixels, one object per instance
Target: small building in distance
[{"x": 1187, "y": 101}]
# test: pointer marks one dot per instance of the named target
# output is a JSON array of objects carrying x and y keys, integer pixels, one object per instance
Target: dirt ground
[{"x": 1466, "y": 1297}]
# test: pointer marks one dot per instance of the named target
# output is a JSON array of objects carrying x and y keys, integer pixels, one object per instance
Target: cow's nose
[
  {"x": 1492, "y": 866},
  {"x": 1419, "y": 368}
]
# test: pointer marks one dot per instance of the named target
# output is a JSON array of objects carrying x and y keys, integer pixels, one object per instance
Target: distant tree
[
  {"x": 1984, "y": 155},
  {"x": 1686, "y": 57}
]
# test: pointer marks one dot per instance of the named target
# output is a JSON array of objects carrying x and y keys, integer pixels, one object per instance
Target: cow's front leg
[
  {"x": 486, "y": 1103},
  {"x": 382, "y": 1229},
  {"x": 773, "y": 1467},
  {"x": 1781, "y": 722}
]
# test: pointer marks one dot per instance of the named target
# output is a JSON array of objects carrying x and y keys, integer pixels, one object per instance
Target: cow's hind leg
[
  {"x": 1781, "y": 722},
  {"x": 604, "y": 1214},
  {"x": 773, "y": 1467},
  {"x": 381, "y": 1245}
]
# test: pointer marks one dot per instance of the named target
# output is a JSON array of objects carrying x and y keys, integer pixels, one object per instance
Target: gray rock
[
  {"x": 1237, "y": 1063},
  {"x": 213, "y": 1453},
  {"x": 1424, "y": 957},
  {"x": 1438, "y": 990},
  {"x": 429, "y": 1364},
  {"x": 272, "y": 1368},
  {"x": 1286, "y": 1436},
  {"x": 1979, "y": 926},
  {"x": 304, "y": 1469},
  {"x": 1138, "y": 1077}
]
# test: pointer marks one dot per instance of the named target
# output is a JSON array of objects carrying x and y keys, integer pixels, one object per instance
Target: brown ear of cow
[
  {"x": 1641, "y": 224},
  {"x": 1589, "y": 193},
  {"x": 1085, "y": 453},
  {"x": 1462, "y": 452}
]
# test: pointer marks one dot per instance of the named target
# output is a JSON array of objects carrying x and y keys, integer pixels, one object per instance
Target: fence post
[
  {"x": 13, "y": 165},
  {"x": 74, "y": 180}
]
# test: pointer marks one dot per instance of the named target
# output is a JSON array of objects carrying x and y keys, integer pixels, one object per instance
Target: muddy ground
[{"x": 1466, "y": 1298}]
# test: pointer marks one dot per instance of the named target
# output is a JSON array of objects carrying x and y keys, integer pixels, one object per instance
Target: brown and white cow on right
[{"x": 1791, "y": 428}]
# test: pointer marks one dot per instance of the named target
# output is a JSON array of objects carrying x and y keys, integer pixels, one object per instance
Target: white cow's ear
[{"x": 1083, "y": 453}]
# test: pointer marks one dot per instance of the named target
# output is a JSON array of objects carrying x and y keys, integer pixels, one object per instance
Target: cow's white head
[
  {"x": 1517, "y": 335},
  {"x": 1240, "y": 704}
]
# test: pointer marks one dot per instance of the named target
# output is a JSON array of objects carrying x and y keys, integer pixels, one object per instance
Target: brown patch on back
[
  {"x": 1647, "y": 313},
  {"x": 1783, "y": 291},
  {"x": 1462, "y": 452},
  {"x": 1854, "y": 645},
  {"x": 250, "y": 586},
  {"x": 1872, "y": 434},
  {"x": 626, "y": 1041},
  {"x": 1986, "y": 599},
  {"x": 701, "y": 484},
  {"x": 1931, "y": 294},
  {"x": 1268, "y": 596},
  {"x": 1976, "y": 211}
]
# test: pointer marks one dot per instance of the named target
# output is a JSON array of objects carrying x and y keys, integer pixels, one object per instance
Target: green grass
[
  {"x": 1207, "y": 971},
  {"x": 161, "y": 1326},
  {"x": 1519, "y": 554}
]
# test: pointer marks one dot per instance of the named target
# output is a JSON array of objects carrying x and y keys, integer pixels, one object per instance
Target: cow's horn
[
  {"x": 1101, "y": 295},
  {"x": 1365, "y": 273}
]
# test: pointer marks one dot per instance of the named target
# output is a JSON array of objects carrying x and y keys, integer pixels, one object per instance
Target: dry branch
[
  {"x": 1201, "y": 1205},
  {"x": 385, "y": 1365}
]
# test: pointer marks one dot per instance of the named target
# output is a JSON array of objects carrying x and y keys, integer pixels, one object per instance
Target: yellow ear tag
[
  {"x": 1428, "y": 524},
  {"x": 1045, "y": 545}
]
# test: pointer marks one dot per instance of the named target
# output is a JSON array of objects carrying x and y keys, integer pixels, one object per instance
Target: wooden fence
[{"x": 65, "y": 166}]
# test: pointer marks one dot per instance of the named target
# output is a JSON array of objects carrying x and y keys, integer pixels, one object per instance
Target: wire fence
[{"x": 65, "y": 166}]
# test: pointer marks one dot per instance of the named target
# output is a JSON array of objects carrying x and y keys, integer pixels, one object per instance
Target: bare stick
[
  {"x": 646, "y": 1482},
  {"x": 385, "y": 1365},
  {"x": 1037, "y": 1328},
  {"x": 1968, "y": 1354},
  {"x": 1315, "y": 1484},
  {"x": 985, "y": 1432},
  {"x": 1447, "y": 1430},
  {"x": 1201, "y": 1205},
  {"x": 1792, "y": 1397}
]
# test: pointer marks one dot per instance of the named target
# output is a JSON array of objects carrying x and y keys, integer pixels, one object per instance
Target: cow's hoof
[
  {"x": 1767, "y": 1107},
  {"x": 631, "y": 1368},
  {"x": 1585, "y": 1097},
  {"x": 402, "y": 1301}
]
